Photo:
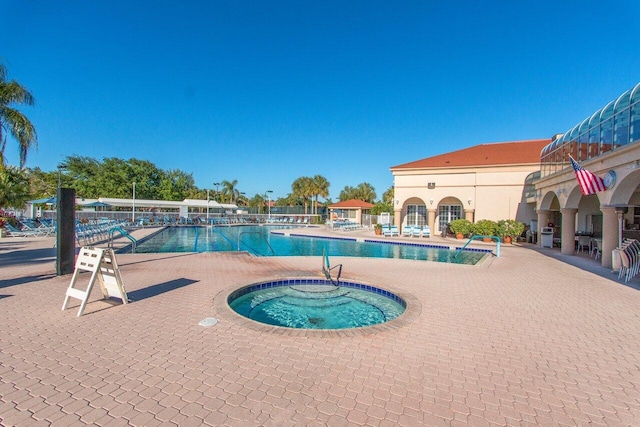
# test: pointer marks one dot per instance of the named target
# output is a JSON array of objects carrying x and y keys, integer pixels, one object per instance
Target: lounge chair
[
  {"x": 394, "y": 231},
  {"x": 407, "y": 231},
  {"x": 417, "y": 231},
  {"x": 14, "y": 232},
  {"x": 426, "y": 231}
]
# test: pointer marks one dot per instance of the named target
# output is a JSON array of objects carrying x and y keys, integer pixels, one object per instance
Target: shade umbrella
[
  {"x": 44, "y": 201},
  {"x": 97, "y": 205}
]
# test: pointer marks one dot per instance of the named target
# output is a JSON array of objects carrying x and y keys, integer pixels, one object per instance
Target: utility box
[{"x": 546, "y": 237}]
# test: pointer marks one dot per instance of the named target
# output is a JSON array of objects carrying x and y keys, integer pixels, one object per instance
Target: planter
[
  {"x": 459, "y": 236},
  {"x": 378, "y": 231},
  {"x": 507, "y": 239},
  {"x": 486, "y": 239}
]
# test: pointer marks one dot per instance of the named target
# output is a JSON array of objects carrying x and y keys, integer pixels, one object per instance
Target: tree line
[{"x": 114, "y": 177}]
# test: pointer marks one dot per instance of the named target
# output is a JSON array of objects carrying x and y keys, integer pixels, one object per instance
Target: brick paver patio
[{"x": 525, "y": 339}]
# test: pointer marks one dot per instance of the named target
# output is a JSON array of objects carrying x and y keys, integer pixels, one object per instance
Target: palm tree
[
  {"x": 363, "y": 191},
  {"x": 320, "y": 188},
  {"x": 14, "y": 187},
  {"x": 229, "y": 190},
  {"x": 303, "y": 188},
  {"x": 13, "y": 121},
  {"x": 258, "y": 202},
  {"x": 366, "y": 192}
]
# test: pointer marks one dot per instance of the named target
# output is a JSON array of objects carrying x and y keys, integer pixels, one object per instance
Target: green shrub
[
  {"x": 461, "y": 226},
  {"x": 510, "y": 228},
  {"x": 485, "y": 227}
]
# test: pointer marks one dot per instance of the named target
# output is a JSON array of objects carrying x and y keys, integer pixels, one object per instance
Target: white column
[{"x": 568, "y": 230}]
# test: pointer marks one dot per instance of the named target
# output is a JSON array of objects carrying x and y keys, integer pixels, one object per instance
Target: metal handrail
[
  {"x": 123, "y": 233},
  {"x": 476, "y": 237}
]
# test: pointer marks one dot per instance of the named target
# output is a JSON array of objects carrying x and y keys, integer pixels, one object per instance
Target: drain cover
[{"x": 209, "y": 321}]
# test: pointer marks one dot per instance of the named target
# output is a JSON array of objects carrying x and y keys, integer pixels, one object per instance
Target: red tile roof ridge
[
  {"x": 353, "y": 203},
  {"x": 485, "y": 154}
]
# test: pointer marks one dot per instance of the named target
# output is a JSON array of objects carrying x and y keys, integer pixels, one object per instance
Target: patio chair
[
  {"x": 596, "y": 250},
  {"x": 583, "y": 242},
  {"x": 14, "y": 232}
]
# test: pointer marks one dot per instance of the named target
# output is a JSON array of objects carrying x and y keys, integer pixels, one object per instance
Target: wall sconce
[
  {"x": 430, "y": 201},
  {"x": 469, "y": 201},
  {"x": 397, "y": 201}
]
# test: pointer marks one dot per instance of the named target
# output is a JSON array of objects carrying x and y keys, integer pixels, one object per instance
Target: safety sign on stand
[{"x": 102, "y": 265}]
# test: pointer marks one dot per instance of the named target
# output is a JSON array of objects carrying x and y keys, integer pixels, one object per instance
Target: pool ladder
[
  {"x": 326, "y": 269},
  {"x": 123, "y": 233}
]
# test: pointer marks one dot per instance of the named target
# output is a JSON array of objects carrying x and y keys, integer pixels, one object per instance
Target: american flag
[{"x": 589, "y": 183}]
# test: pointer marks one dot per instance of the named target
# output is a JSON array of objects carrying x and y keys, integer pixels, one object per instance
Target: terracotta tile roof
[
  {"x": 499, "y": 153},
  {"x": 353, "y": 203}
]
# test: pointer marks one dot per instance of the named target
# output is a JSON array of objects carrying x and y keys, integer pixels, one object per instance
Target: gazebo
[{"x": 349, "y": 210}]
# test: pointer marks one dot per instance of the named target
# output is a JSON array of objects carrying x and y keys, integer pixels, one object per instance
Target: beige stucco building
[
  {"x": 534, "y": 182},
  {"x": 486, "y": 181}
]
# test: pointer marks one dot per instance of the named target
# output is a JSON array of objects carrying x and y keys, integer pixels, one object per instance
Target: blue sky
[{"x": 267, "y": 91}]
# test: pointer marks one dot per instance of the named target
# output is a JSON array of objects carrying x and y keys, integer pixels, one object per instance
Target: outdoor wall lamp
[
  {"x": 430, "y": 201},
  {"x": 469, "y": 201}
]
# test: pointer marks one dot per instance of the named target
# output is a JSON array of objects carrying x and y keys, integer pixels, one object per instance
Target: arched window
[
  {"x": 594, "y": 134},
  {"x": 621, "y": 114},
  {"x": 634, "y": 120},
  {"x": 606, "y": 128}
]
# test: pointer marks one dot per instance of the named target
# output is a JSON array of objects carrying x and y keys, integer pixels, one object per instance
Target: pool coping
[{"x": 412, "y": 312}]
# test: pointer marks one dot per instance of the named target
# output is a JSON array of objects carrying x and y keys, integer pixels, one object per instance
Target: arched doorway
[
  {"x": 415, "y": 212},
  {"x": 449, "y": 209}
]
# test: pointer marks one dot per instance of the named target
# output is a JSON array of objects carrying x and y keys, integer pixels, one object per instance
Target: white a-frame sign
[{"x": 102, "y": 265}]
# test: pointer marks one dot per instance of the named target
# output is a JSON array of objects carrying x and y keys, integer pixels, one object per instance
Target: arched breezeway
[{"x": 606, "y": 217}]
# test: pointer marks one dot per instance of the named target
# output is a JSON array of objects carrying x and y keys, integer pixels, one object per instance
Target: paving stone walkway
[{"x": 525, "y": 339}]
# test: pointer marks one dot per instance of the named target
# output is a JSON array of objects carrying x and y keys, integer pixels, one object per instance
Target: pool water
[
  {"x": 316, "y": 304},
  {"x": 261, "y": 241}
]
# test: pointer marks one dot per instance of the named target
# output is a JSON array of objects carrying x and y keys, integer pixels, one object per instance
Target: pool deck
[{"x": 530, "y": 338}]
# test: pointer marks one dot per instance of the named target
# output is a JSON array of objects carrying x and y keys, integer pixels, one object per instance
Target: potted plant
[
  {"x": 378, "y": 229},
  {"x": 510, "y": 229},
  {"x": 460, "y": 227},
  {"x": 485, "y": 227}
]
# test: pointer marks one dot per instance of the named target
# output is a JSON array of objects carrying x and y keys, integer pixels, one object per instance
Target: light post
[
  {"x": 207, "y": 206},
  {"x": 217, "y": 184},
  {"x": 269, "y": 203},
  {"x": 133, "y": 204}
]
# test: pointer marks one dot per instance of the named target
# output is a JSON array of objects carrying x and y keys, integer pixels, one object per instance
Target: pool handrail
[
  {"x": 476, "y": 237},
  {"x": 326, "y": 268},
  {"x": 123, "y": 233}
]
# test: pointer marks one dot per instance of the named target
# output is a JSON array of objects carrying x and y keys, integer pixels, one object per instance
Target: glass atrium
[{"x": 615, "y": 125}]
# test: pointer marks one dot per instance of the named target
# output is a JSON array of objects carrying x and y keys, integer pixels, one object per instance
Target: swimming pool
[
  {"x": 272, "y": 241},
  {"x": 316, "y": 304}
]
